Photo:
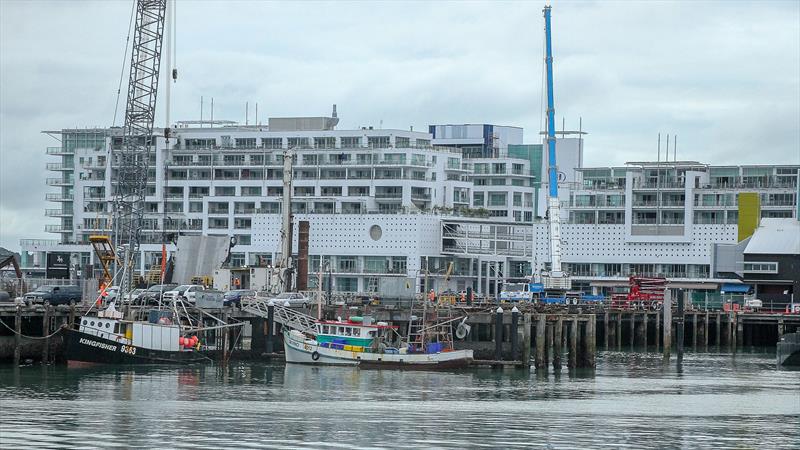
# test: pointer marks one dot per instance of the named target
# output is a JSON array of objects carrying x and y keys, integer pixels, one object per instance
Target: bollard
[
  {"x": 514, "y": 332},
  {"x": 541, "y": 323},
  {"x": 270, "y": 327},
  {"x": 557, "y": 344},
  {"x": 498, "y": 334}
]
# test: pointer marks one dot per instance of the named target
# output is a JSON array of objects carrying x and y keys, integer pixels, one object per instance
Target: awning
[{"x": 729, "y": 288}]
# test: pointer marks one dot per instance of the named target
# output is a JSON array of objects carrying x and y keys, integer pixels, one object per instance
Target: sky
[{"x": 724, "y": 76}]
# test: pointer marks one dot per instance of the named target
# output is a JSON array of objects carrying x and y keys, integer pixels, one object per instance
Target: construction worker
[
  {"x": 463, "y": 296},
  {"x": 432, "y": 296},
  {"x": 236, "y": 283}
]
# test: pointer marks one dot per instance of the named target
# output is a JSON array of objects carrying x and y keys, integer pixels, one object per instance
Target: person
[
  {"x": 432, "y": 295},
  {"x": 463, "y": 296},
  {"x": 236, "y": 283}
]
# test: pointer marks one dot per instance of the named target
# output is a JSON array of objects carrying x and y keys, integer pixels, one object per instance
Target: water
[{"x": 632, "y": 400}]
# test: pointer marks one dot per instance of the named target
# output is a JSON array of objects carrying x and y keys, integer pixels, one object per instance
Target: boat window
[
  {"x": 91, "y": 323},
  {"x": 108, "y": 324},
  {"x": 116, "y": 328},
  {"x": 372, "y": 333},
  {"x": 85, "y": 322}
]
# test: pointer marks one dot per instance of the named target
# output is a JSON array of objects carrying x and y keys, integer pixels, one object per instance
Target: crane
[
  {"x": 129, "y": 187},
  {"x": 556, "y": 278}
]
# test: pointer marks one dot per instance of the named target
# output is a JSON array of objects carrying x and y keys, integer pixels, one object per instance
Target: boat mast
[{"x": 286, "y": 225}]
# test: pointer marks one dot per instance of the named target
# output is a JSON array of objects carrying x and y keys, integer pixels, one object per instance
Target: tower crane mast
[
  {"x": 129, "y": 187},
  {"x": 556, "y": 278}
]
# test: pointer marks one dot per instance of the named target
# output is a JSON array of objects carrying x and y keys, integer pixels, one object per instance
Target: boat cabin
[{"x": 140, "y": 334}]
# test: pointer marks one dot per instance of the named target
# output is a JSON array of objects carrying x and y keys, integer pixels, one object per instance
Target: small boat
[
  {"x": 108, "y": 339},
  {"x": 359, "y": 341}
]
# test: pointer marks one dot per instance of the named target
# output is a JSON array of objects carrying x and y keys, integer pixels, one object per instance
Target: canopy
[{"x": 729, "y": 288}]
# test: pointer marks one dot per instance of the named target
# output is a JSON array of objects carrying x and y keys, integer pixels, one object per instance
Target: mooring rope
[{"x": 31, "y": 337}]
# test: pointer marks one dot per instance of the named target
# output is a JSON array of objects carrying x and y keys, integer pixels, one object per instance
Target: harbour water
[{"x": 631, "y": 400}]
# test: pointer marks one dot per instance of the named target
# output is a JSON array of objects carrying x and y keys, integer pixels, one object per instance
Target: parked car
[
  {"x": 235, "y": 296},
  {"x": 152, "y": 294},
  {"x": 55, "y": 295},
  {"x": 132, "y": 295},
  {"x": 293, "y": 298},
  {"x": 185, "y": 292}
]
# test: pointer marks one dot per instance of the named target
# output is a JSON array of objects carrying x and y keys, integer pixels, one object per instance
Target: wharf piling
[{"x": 557, "y": 341}]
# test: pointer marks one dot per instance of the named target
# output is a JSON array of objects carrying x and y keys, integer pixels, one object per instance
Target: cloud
[{"x": 723, "y": 76}]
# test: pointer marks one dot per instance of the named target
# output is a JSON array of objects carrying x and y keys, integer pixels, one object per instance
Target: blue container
[
  {"x": 340, "y": 341},
  {"x": 434, "y": 347}
]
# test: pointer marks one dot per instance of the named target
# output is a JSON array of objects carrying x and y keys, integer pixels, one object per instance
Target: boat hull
[
  {"x": 309, "y": 352},
  {"x": 86, "y": 349}
]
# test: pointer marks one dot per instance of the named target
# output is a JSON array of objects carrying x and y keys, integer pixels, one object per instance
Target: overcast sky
[{"x": 724, "y": 75}]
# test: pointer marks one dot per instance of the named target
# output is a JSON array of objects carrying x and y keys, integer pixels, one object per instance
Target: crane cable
[{"x": 124, "y": 58}]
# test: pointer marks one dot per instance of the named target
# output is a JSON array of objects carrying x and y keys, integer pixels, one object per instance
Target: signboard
[{"x": 57, "y": 265}]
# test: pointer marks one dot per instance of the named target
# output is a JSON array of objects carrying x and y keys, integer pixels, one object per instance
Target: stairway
[{"x": 283, "y": 315}]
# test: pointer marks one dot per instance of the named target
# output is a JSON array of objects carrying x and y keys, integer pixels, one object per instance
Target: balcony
[
  {"x": 58, "y": 166},
  {"x": 57, "y": 213},
  {"x": 389, "y": 195},
  {"x": 59, "y": 151},
  {"x": 57, "y": 229},
  {"x": 58, "y": 182},
  {"x": 55, "y": 197}
]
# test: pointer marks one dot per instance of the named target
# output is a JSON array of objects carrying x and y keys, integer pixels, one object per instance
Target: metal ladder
[{"x": 282, "y": 314}]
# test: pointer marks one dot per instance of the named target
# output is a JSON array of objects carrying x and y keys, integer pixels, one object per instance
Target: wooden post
[
  {"x": 781, "y": 328},
  {"x": 270, "y": 328},
  {"x": 644, "y": 330},
  {"x": 705, "y": 333},
  {"x": 17, "y": 335},
  {"x": 618, "y": 331},
  {"x": 557, "y": 344},
  {"x": 71, "y": 315},
  {"x": 526, "y": 340},
  {"x": 657, "y": 334},
  {"x": 541, "y": 324},
  {"x": 514, "y": 333},
  {"x": 680, "y": 324},
  {"x": 718, "y": 330},
  {"x": 548, "y": 353},
  {"x": 573, "y": 344},
  {"x": 592, "y": 344},
  {"x": 498, "y": 334},
  {"x": 739, "y": 338},
  {"x": 694, "y": 331},
  {"x": 45, "y": 332},
  {"x": 667, "y": 324},
  {"x": 632, "y": 337},
  {"x": 605, "y": 330},
  {"x": 729, "y": 330}
]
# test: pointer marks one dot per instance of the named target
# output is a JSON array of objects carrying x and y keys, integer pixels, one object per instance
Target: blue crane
[{"x": 556, "y": 279}]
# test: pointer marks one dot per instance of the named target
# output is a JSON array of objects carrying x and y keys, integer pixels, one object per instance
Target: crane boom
[
  {"x": 130, "y": 185},
  {"x": 556, "y": 279}
]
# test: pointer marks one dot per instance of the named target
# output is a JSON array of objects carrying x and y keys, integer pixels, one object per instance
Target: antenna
[
  {"x": 256, "y": 122},
  {"x": 675, "y": 147},
  {"x": 212, "y": 112},
  {"x": 246, "y": 112},
  {"x": 659, "y": 147},
  {"x": 666, "y": 158},
  {"x": 201, "y": 110}
]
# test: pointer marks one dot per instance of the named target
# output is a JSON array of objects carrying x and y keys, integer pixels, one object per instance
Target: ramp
[
  {"x": 199, "y": 256},
  {"x": 284, "y": 315}
]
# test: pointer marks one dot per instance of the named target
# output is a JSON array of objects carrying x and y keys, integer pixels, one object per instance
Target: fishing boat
[
  {"x": 362, "y": 342},
  {"x": 108, "y": 339}
]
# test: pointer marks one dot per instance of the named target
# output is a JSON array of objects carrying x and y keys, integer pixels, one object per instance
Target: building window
[
  {"x": 245, "y": 142},
  {"x": 761, "y": 267},
  {"x": 346, "y": 284},
  {"x": 351, "y": 141}
]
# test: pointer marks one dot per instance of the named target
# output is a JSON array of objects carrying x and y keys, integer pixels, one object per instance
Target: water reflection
[{"x": 631, "y": 399}]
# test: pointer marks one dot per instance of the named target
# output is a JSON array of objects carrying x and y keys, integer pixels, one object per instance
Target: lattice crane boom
[{"x": 130, "y": 184}]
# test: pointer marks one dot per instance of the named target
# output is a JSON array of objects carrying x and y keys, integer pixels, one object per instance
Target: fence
[{"x": 16, "y": 289}]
